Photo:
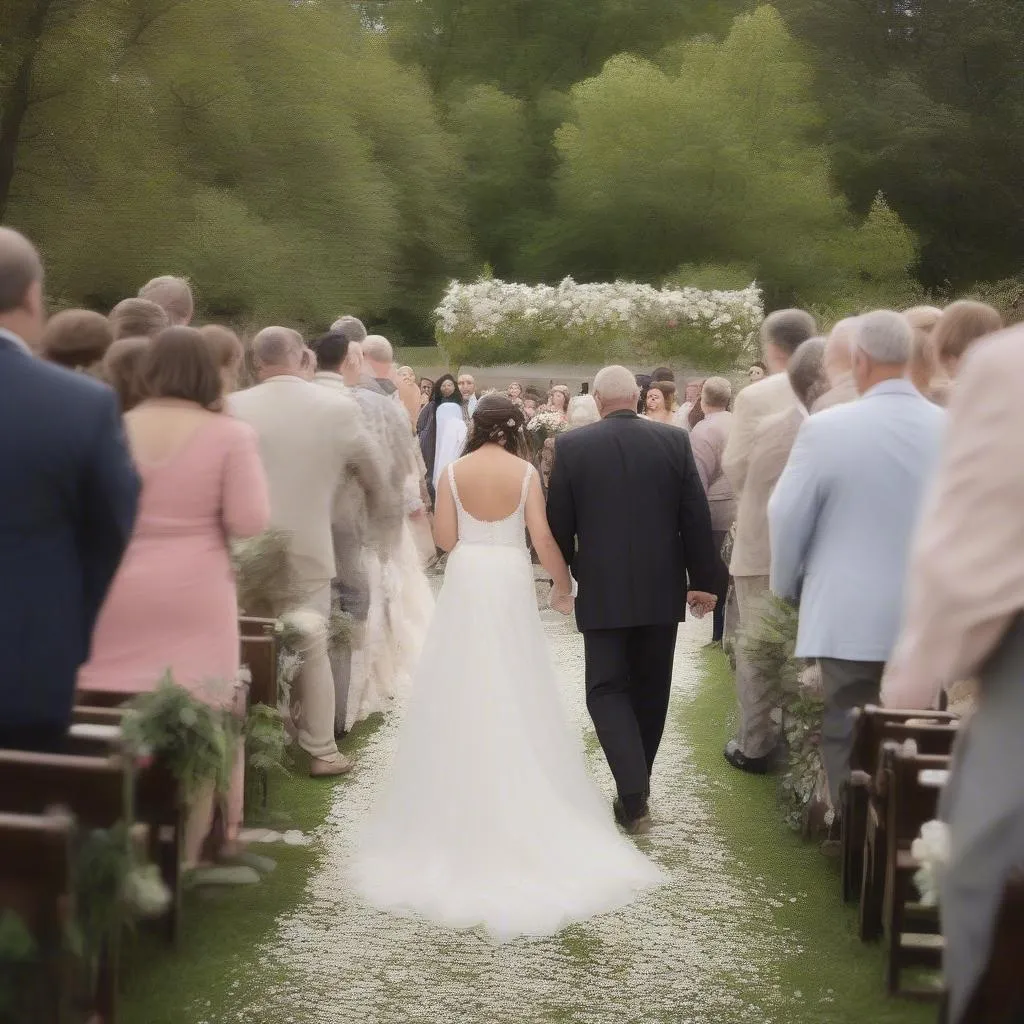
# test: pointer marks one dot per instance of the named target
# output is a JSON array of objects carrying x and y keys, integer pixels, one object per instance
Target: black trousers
[{"x": 629, "y": 678}]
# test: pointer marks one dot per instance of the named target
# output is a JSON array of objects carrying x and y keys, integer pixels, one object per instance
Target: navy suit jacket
[{"x": 68, "y": 496}]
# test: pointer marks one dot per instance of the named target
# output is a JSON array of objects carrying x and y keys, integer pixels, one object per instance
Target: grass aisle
[
  {"x": 840, "y": 980},
  {"x": 224, "y": 928}
]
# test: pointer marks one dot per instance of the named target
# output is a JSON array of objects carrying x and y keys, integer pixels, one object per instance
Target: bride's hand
[{"x": 561, "y": 601}]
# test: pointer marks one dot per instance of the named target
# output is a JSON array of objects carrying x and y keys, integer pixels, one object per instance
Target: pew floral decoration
[
  {"x": 931, "y": 850},
  {"x": 195, "y": 741}
]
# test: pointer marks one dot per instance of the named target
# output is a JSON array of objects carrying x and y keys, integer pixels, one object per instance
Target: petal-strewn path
[{"x": 701, "y": 949}]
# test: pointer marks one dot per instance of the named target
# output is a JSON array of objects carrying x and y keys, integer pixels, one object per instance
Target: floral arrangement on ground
[
  {"x": 490, "y": 321},
  {"x": 770, "y": 646}
]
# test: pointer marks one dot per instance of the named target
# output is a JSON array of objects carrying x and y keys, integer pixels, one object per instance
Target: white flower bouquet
[
  {"x": 931, "y": 849},
  {"x": 492, "y": 321},
  {"x": 545, "y": 425}
]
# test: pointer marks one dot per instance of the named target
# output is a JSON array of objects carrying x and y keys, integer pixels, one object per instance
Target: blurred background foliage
[{"x": 300, "y": 159}]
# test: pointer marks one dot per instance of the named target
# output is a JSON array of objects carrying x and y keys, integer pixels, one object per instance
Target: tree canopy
[{"x": 299, "y": 159}]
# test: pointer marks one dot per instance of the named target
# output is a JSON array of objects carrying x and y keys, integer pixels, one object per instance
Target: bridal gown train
[{"x": 489, "y": 816}]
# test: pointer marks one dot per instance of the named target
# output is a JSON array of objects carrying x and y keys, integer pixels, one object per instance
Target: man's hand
[{"x": 701, "y": 603}]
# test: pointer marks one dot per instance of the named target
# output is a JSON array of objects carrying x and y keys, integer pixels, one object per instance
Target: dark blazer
[
  {"x": 627, "y": 508},
  {"x": 68, "y": 494}
]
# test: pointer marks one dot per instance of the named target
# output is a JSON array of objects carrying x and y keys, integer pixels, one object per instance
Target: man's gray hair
[
  {"x": 716, "y": 393},
  {"x": 788, "y": 329},
  {"x": 173, "y": 295},
  {"x": 278, "y": 346},
  {"x": 885, "y": 337},
  {"x": 806, "y": 372},
  {"x": 20, "y": 267},
  {"x": 350, "y": 327},
  {"x": 616, "y": 384},
  {"x": 378, "y": 349}
]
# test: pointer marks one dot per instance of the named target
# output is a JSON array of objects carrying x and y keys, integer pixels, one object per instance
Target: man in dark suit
[
  {"x": 69, "y": 495},
  {"x": 628, "y": 511}
]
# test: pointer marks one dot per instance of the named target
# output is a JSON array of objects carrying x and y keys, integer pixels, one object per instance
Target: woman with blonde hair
[
  {"x": 959, "y": 327},
  {"x": 924, "y": 359}
]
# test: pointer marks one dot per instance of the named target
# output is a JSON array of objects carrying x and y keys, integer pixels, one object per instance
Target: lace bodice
[{"x": 509, "y": 532}]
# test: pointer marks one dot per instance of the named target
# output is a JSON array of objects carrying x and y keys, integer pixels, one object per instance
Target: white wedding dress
[{"x": 489, "y": 816}]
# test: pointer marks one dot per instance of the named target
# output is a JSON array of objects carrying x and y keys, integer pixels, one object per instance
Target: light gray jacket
[{"x": 842, "y": 516}]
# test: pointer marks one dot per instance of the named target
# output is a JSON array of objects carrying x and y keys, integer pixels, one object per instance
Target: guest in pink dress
[{"x": 173, "y": 604}]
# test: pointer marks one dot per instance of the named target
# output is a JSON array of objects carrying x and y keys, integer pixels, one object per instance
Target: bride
[{"x": 489, "y": 817}]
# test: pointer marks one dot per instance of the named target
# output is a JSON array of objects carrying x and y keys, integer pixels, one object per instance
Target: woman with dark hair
[
  {"x": 446, "y": 390},
  {"x": 490, "y": 817},
  {"x": 173, "y": 606},
  {"x": 660, "y": 401}
]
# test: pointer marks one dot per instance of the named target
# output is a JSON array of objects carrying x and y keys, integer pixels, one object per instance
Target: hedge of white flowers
[{"x": 490, "y": 321}]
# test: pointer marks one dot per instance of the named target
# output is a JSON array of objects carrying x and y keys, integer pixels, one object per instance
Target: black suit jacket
[
  {"x": 627, "y": 508},
  {"x": 68, "y": 494}
]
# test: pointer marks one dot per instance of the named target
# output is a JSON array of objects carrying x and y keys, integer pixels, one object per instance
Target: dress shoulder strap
[
  {"x": 527, "y": 478},
  {"x": 451, "y": 483}
]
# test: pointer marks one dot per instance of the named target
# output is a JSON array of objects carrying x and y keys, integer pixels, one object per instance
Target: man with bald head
[
  {"x": 839, "y": 366},
  {"x": 625, "y": 495},
  {"x": 841, "y": 521},
  {"x": 69, "y": 499},
  {"x": 313, "y": 444},
  {"x": 379, "y": 357}
]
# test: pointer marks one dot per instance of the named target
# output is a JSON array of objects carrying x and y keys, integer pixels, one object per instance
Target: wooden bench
[
  {"x": 914, "y": 938},
  {"x": 259, "y": 653},
  {"x": 97, "y": 792},
  {"x": 872, "y": 727},
  {"x": 36, "y": 885}
]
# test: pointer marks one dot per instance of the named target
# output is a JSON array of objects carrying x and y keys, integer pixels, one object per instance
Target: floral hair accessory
[{"x": 511, "y": 423}]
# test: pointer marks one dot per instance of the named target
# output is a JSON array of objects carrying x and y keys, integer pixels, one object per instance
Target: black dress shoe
[
  {"x": 751, "y": 765},
  {"x": 636, "y": 826}
]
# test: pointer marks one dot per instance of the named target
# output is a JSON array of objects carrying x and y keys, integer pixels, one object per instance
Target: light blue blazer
[{"x": 843, "y": 514}]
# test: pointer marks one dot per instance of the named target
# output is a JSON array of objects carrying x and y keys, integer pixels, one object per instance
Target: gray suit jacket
[
  {"x": 310, "y": 440},
  {"x": 708, "y": 440},
  {"x": 842, "y": 516}
]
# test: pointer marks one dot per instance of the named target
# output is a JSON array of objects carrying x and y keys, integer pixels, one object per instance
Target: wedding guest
[
  {"x": 752, "y": 749},
  {"x": 137, "y": 318},
  {"x": 869, "y": 461},
  {"x": 409, "y": 395},
  {"x": 310, "y": 440},
  {"x": 227, "y": 353},
  {"x": 173, "y": 295},
  {"x": 696, "y": 414},
  {"x": 426, "y": 390},
  {"x": 173, "y": 606},
  {"x": 782, "y": 333},
  {"x": 68, "y": 509},
  {"x": 690, "y": 396},
  {"x": 924, "y": 362},
  {"x": 446, "y": 391},
  {"x": 451, "y": 438},
  {"x": 76, "y": 338},
  {"x": 515, "y": 392},
  {"x": 964, "y": 618},
  {"x": 379, "y": 357},
  {"x": 467, "y": 388},
  {"x": 530, "y": 406},
  {"x": 708, "y": 440},
  {"x": 582, "y": 412},
  {"x": 558, "y": 400},
  {"x": 663, "y": 373},
  {"x": 839, "y": 366},
  {"x": 758, "y": 371},
  {"x": 122, "y": 370},
  {"x": 661, "y": 397},
  {"x": 961, "y": 325}
]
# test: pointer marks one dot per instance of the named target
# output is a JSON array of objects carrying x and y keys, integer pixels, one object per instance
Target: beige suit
[
  {"x": 750, "y": 567},
  {"x": 844, "y": 390},
  {"x": 754, "y": 404},
  {"x": 964, "y": 617},
  {"x": 310, "y": 440}
]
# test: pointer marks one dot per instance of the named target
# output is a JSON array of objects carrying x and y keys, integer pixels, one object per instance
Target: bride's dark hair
[{"x": 497, "y": 420}]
